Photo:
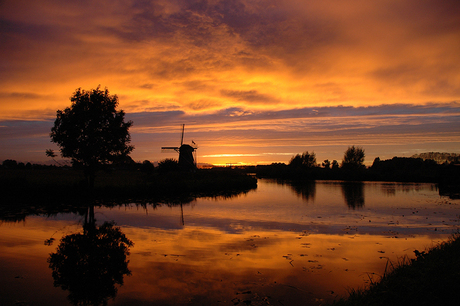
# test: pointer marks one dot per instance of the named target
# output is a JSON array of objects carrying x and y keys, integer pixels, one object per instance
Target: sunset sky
[{"x": 254, "y": 81}]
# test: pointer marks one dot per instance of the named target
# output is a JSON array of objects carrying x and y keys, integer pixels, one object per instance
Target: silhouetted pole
[{"x": 182, "y": 214}]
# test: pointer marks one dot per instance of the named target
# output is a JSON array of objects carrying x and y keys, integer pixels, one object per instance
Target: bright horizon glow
[{"x": 253, "y": 82}]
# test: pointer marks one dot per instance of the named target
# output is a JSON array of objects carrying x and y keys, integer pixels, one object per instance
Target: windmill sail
[
  {"x": 165, "y": 149},
  {"x": 182, "y": 138}
]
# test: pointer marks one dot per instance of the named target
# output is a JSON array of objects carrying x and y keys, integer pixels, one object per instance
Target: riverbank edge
[
  {"x": 432, "y": 278},
  {"x": 50, "y": 189}
]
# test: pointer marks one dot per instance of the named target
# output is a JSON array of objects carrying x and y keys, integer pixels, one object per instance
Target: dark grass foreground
[
  {"x": 432, "y": 278},
  {"x": 65, "y": 184},
  {"x": 51, "y": 191}
]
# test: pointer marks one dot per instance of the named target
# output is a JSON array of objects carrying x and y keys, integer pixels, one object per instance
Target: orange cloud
[{"x": 202, "y": 58}]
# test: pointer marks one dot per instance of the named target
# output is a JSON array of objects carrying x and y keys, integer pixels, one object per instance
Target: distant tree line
[
  {"x": 146, "y": 166},
  {"x": 13, "y": 164},
  {"x": 353, "y": 158},
  {"x": 128, "y": 164},
  {"x": 439, "y": 157},
  {"x": 305, "y": 166},
  {"x": 445, "y": 168}
]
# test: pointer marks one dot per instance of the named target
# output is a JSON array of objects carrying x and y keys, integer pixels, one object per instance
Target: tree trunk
[{"x": 90, "y": 174}]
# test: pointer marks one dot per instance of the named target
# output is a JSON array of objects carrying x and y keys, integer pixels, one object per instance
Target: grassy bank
[
  {"x": 65, "y": 183},
  {"x": 433, "y": 278},
  {"x": 50, "y": 191}
]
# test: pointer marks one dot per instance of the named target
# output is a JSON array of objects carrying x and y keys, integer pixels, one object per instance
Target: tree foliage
[
  {"x": 168, "y": 165},
  {"x": 439, "y": 157},
  {"x": 353, "y": 158},
  {"x": 9, "y": 164},
  {"x": 91, "y": 131},
  {"x": 306, "y": 160},
  {"x": 147, "y": 167},
  {"x": 335, "y": 164}
]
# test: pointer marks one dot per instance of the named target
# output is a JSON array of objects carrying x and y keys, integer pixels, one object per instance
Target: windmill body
[{"x": 186, "y": 160}]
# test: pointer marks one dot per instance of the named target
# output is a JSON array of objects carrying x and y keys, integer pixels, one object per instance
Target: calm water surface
[{"x": 281, "y": 244}]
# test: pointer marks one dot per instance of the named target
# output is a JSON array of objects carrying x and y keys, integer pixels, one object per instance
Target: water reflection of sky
[
  {"x": 280, "y": 244},
  {"x": 406, "y": 208}
]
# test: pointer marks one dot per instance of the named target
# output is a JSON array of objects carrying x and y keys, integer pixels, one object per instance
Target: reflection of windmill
[{"x": 186, "y": 160}]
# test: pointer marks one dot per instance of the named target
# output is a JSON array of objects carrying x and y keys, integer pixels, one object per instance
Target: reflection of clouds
[{"x": 263, "y": 262}]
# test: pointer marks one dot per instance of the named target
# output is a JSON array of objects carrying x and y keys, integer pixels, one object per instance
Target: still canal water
[{"x": 281, "y": 244}]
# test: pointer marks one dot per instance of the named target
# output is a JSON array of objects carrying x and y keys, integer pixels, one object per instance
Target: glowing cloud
[{"x": 237, "y": 65}]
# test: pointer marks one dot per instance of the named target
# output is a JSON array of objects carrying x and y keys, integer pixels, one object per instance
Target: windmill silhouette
[{"x": 186, "y": 152}]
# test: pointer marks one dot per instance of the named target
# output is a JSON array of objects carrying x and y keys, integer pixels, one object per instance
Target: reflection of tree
[
  {"x": 191, "y": 200},
  {"x": 353, "y": 194},
  {"x": 91, "y": 263},
  {"x": 389, "y": 189},
  {"x": 304, "y": 189},
  {"x": 451, "y": 191}
]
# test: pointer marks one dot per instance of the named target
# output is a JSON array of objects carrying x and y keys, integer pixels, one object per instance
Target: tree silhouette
[
  {"x": 326, "y": 164},
  {"x": 353, "y": 158},
  {"x": 92, "y": 263},
  {"x": 10, "y": 164},
  {"x": 334, "y": 164},
  {"x": 168, "y": 165},
  {"x": 91, "y": 131},
  {"x": 147, "y": 167},
  {"x": 307, "y": 160}
]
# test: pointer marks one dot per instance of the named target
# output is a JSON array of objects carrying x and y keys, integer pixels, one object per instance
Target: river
[{"x": 280, "y": 244}]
